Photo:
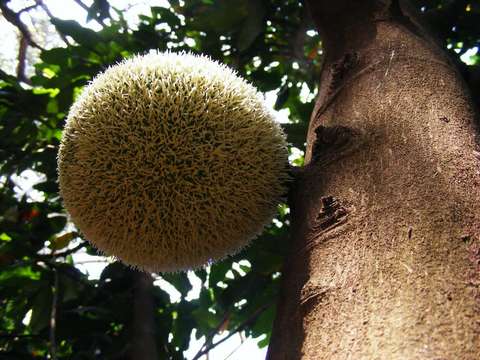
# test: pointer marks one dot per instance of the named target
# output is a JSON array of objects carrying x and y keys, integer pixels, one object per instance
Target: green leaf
[
  {"x": 282, "y": 97},
  {"x": 252, "y": 26},
  {"x": 264, "y": 322},
  {"x": 41, "y": 309},
  {"x": 201, "y": 274},
  {"x": 179, "y": 281},
  {"x": 205, "y": 319},
  {"x": 265, "y": 341},
  {"x": 5, "y": 237},
  {"x": 70, "y": 288},
  {"x": 47, "y": 186},
  {"x": 18, "y": 273},
  {"x": 166, "y": 15},
  {"x": 113, "y": 272},
  {"x": 98, "y": 10},
  {"x": 62, "y": 241},
  {"x": 218, "y": 272},
  {"x": 80, "y": 34},
  {"x": 57, "y": 223},
  {"x": 219, "y": 17},
  {"x": 296, "y": 134},
  {"x": 57, "y": 56},
  {"x": 183, "y": 326}
]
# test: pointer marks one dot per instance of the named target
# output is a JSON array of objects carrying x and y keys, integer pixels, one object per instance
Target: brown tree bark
[
  {"x": 143, "y": 337},
  {"x": 386, "y": 228}
]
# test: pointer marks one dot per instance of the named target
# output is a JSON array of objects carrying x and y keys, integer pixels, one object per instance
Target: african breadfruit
[{"x": 170, "y": 161}]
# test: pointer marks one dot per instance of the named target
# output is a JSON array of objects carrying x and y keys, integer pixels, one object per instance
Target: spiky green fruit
[{"x": 168, "y": 161}]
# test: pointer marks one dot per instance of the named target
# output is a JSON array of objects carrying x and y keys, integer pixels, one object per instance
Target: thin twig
[
  {"x": 240, "y": 327},
  {"x": 64, "y": 253},
  {"x": 13, "y": 336},
  {"x": 208, "y": 339},
  {"x": 91, "y": 262},
  {"x": 300, "y": 36},
  {"x": 53, "y": 317},
  {"x": 236, "y": 349},
  {"x": 50, "y": 15},
  {"x": 87, "y": 9},
  {"x": 28, "y": 8},
  {"x": 14, "y": 19}
]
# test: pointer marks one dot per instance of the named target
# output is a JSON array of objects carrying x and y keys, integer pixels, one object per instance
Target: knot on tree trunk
[{"x": 332, "y": 142}]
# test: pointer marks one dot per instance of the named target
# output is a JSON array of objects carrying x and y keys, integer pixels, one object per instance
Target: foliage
[{"x": 266, "y": 42}]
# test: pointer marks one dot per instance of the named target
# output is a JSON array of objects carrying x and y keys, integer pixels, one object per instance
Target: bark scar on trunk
[
  {"x": 327, "y": 224},
  {"x": 312, "y": 294},
  {"x": 341, "y": 69},
  {"x": 333, "y": 142},
  {"x": 331, "y": 215}
]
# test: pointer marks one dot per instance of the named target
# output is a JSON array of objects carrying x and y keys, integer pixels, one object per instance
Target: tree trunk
[
  {"x": 143, "y": 337},
  {"x": 385, "y": 258}
]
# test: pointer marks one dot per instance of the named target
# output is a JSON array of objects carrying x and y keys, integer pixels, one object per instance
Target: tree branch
[
  {"x": 239, "y": 328},
  {"x": 300, "y": 36},
  {"x": 14, "y": 19},
  {"x": 64, "y": 253},
  {"x": 53, "y": 317},
  {"x": 217, "y": 328},
  {"x": 242, "y": 341},
  {"x": 143, "y": 324},
  {"x": 87, "y": 9},
  {"x": 13, "y": 336},
  {"x": 28, "y": 8},
  {"x": 21, "y": 59},
  {"x": 82, "y": 5},
  {"x": 50, "y": 15}
]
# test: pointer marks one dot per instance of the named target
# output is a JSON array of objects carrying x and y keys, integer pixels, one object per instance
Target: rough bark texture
[
  {"x": 386, "y": 234},
  {"x": 143, "y": 337}
]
